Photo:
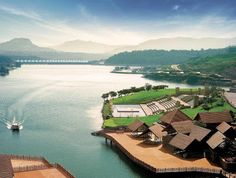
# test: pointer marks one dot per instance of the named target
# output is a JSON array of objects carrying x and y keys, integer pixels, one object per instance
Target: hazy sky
[{"x": 49, "y": 22}]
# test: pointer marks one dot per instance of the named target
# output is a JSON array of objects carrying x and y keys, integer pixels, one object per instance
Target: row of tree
[{"x": 123, "y": 92}]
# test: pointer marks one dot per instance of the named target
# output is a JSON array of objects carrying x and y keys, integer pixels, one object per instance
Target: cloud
[
  {"x": 176, "y": 7},
  {"x": 87, "y": 26},
  {"x": 13, "y": 11}
]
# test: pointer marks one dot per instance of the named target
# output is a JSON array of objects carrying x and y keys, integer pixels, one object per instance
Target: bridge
[{"x": 51, "y": 61}]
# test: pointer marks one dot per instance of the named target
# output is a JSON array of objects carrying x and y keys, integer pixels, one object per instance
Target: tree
[
  {"x": 113, "y": 94},
  {"x": 148, "y": 87},
  {"x": 105, "y": 96}
]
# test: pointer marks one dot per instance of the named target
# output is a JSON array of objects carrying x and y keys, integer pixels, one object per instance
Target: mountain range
[
  {"x": 88, "y": 50},
  {"x": 178, "y": 43}
]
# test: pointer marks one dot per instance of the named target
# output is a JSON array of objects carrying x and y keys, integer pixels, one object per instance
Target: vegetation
[
  {"x": 212, "y": 103},
  {"x": 124, "y": 121},
  {"x": 160, "y": 57},
  {"x": 106, "y": 110},
  {"x": 223, "y": 64},
  {"x": 6, "y": 63},
  {"x": 213, "y": 107},
  {"x": 145, "y": 96}
]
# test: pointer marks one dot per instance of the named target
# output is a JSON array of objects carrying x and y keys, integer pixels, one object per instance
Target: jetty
[
  {"x": 20, "y": 166},
  {"x": 158, "y": 159}
]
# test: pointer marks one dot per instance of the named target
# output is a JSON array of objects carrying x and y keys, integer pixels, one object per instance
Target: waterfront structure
[
  {"x": 174, "y": 116},
  {"x": 137, "y": 128},
  {"x": 183, "y": 127},
  {"x": 199, "y": 133},
  {"x": 212, "y": 119},
  {"x": 15, "y": 166},
  {"x": 184, "y": 144},
  {"x": 155, "y": 134}
]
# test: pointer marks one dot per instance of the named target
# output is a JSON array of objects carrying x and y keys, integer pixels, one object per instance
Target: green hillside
[
  {"x": 160, "y": 57},
  {"x": 224, "y": 64}
]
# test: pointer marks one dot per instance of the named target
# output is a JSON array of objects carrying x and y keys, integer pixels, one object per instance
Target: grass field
[
  {"x": 193, "y": 112},
  {"x": 124, "y": 121},
  {"x": 145, "y": 96}
]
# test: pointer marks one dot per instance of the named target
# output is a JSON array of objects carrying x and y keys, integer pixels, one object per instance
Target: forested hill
[
  {"x": 224, "y": 64},
  {"x": 161, "y": 57}
]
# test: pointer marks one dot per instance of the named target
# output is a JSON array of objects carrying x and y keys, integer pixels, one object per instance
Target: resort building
[
  {"x": 227, "y": 130},
  {"x": 212, "y": 119},
  {"x": 14, "y": 166},
  {"x": 184, "y": 144},
  {"x": 155, "y": 134},
  {"x": 138, "y": 128},
  {"x": 201, "y": 134},
  {"x": 183, "y": 127},
  {"x": 174, "y": 116}
]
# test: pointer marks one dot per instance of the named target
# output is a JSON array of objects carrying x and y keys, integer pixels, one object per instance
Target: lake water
[{"x": 60, "y": 106}]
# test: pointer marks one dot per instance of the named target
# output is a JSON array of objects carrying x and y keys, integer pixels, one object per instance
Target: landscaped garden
[{"x": 212, "y": 103}]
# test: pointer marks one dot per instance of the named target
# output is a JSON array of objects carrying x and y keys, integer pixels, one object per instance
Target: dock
[{"x": 157, "y": 159}]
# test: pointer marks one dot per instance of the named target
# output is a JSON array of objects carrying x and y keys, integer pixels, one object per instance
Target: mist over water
[{"x": 59, "y": 107}]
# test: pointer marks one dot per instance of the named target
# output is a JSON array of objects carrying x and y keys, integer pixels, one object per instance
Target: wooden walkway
[{"x": 156, "y": 158}]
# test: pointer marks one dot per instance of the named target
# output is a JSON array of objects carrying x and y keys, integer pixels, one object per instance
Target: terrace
[{"x": 28, "y": 167}]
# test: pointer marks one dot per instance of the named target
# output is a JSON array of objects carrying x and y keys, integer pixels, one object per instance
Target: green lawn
[
  {"x": 146, "y": 96},
  {"x": 124, "y": 121},
  {"x": 193, "y": 112}
]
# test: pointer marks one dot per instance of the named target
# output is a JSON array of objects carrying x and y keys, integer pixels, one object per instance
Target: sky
[{"x": 117, "y": 22}]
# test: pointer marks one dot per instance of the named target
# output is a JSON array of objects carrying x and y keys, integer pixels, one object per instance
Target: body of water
[{"x": 60, "y": 106}]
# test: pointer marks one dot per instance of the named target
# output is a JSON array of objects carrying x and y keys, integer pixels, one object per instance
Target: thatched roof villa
[
  {"x": 155, "y": 134},
  {"x": 137, "y": 128},
  {"x": 174, "y": 116},
  {"x": 212, "y": 119}
]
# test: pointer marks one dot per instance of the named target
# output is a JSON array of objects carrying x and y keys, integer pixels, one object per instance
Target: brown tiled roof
[
  {"x": 157, "y": 129},
  {"x": 6, "y": 170},
  {"x": 174, "y": 116},
  {"x": 215, "y": 140},
  {"x": 223, "y": 127},
  {"x": 182, "y": 126},
  {"x": 135, "y": 125},
  {"x": 181, "y": 141},
  {"x": 199, "y": 133},
  {"x": 214, "y": 117}
]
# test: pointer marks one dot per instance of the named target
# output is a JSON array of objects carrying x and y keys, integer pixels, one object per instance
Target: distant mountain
[
  {"x": 85, "y": 47},
  {"x": 160, "y": 57},
  {"x": 22, "y": 45},
  {"x": 25, "y": 48},
  {"x": 180, "y": 43}
]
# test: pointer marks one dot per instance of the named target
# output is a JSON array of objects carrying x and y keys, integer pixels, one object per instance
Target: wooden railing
[
  {"x": 29, "y": 168},
  {"x": 30, "y": 158},
  {"x": 63, "y": 170}
]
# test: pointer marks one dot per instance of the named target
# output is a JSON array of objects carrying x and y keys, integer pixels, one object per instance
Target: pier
[{"x": 156, "y": 158}]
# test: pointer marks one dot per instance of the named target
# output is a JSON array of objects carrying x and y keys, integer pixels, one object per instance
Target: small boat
[{"x": 14, "y": 125}]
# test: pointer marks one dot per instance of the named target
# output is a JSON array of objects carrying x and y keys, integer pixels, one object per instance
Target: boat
[{"x": 15, "y": 126}]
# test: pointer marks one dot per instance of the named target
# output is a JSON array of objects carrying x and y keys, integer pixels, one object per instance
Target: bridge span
[{"x": 51, "y": 61}]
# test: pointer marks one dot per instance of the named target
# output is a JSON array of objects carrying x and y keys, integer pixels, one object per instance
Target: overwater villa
[
  {"x": 178, "y": 139},
  {"x": 137, "y": 128},
  {"x": 154, "y": 134},
  {"x": 184, "y": 144}
]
